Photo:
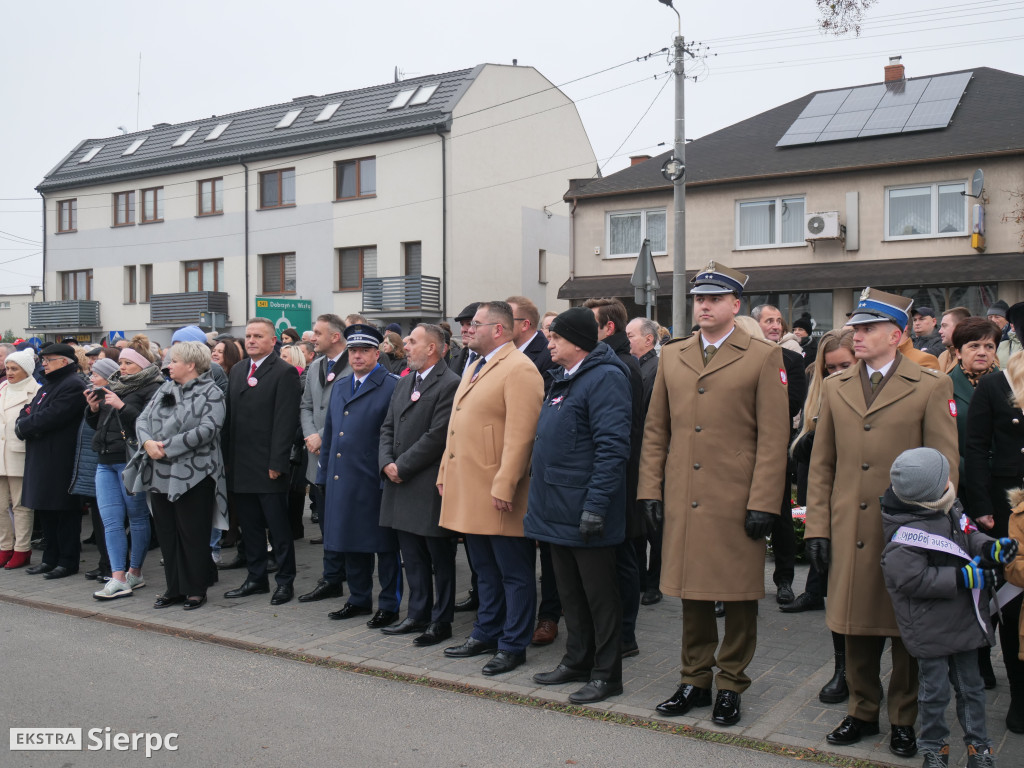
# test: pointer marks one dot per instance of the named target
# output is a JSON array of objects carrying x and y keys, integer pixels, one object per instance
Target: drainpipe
[
  {"x": 444, "y": 228},
  {"x": 572, "y": 240},
  {"x": 245, "y": 310},
  {"x": 44, "y": 245}
]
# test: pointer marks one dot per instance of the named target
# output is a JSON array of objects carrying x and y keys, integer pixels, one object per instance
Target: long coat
[
  {"x": 348, "y": 465},
  {"x": 490, "y": 438},
  {"x": 260, "y": 425},
  {"x": 49, "y": 427},
  {"x": 413, "y": 437},
  {"x": 12, "y": 448},
  {"x": 854, "y": 448},
  {"x": 315, "y": 399},
  {"x": 993, "y": 448},
  {"x": 717, "y": 438},
  {"x": 963, "y": 393}
]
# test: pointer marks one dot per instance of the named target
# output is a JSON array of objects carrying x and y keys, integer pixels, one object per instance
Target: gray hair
[
  {"x": 648, "y": 327},
  {"x": 9, "y": 347},
  {"x": 435, "y": 333},
  {"x": 756, "y": 311},
  {"x": 192, "y": 352}
]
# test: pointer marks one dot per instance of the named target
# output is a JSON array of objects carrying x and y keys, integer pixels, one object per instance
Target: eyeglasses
[{"x": 474, "y": 325}]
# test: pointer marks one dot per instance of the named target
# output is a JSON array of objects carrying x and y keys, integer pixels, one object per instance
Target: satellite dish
[
  {"x": 977, "y": 183},
  {"x": 816, "y": 224}
]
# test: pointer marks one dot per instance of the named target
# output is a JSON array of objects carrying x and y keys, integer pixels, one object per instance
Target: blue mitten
[
  {"x": 1003, "y": 550},
  {"x": 973, "y": 576}
]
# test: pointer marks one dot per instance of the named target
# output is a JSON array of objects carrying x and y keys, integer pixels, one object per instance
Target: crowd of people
[{"x": 632, "y": 465}]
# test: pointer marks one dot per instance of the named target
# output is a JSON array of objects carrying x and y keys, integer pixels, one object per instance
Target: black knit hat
[
  {"x": 1015, "y": 316},
  {"x": 805, "y": 324},
  {"x": 577, "y": 325}
]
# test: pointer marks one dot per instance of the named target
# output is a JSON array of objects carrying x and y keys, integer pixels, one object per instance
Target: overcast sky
[{"x": 70, "y": 70}]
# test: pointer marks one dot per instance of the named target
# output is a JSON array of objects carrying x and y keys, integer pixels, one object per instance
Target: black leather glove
[
  {"x": 758, "y": 524},
  {"x": 654, "y": 513},
  {"x": 818, "y": 553},
  {"x": 591, "y": 526}
]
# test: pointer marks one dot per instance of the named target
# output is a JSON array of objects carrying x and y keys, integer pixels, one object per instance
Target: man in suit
[
  {"x": 465, "y": 354},
  {"x": 484, "y": 485},
  {"x": 871, "y": 413},
  {"x": 348, "y": 470},
  {"x": 259, "y": 428},
  {"x": 715, "y": 451},
  {"x": 330, "y": 365},
  {"x": 412, "y": 441}
]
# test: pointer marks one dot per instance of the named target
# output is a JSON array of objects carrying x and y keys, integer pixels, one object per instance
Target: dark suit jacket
[
  {"x": 796, "y": 383},
  {"x": 260, "y": 425},
  {"x": 413, "y": 437},
  {"x": 994, "y": 447},
  {"x": 620, "y": 346},
  {"x": 458, "y": 364},
  {"x": 537, "y": 351}
]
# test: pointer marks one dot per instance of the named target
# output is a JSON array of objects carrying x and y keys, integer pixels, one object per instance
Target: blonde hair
[
  {"x": 750, "y": 325},
  {"x": 141, "y": 344},
  {"x": 1015, "y": 375},
  {"x": 838, "y": 338},
  {"x": 292, "y": 355}
]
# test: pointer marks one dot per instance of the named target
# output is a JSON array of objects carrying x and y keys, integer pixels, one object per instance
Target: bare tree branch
[{"x": 838, "y": 17}]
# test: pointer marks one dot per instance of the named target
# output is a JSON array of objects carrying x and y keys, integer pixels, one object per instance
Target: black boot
[{"x": 836, "y": 690}]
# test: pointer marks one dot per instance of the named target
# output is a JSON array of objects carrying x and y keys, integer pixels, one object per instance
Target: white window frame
[
  {"x": 778, "y": 199},
  {"x": 609, "y": 215},
  {"x": 934, "y": 191}
]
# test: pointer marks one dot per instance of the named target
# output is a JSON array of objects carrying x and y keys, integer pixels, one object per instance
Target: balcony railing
[
  {"x": 184, "y": 308},
  {"x": 408, "y": 293},
  {"x": 72, "y": 314}
]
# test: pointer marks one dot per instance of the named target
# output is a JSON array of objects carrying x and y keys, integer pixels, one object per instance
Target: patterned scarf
[
  {"x": 122, "y": 384},
  {"x": 973, "y": 377}
]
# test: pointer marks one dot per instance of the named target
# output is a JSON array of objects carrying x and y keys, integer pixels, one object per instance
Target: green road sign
[{"x": 286, "y": 313}]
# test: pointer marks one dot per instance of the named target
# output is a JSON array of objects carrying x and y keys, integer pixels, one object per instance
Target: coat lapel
[
  {"x": 902, "y": 383},
  {"x": 850, "y": 389}
]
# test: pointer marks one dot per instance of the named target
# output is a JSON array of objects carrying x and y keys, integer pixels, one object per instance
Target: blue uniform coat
[{"x": 348, "y": 465}]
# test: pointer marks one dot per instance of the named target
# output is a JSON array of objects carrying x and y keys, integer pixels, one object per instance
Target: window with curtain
[
  {"x": 355, "y": 265},
  {"x": 771, "y": 222},
  {"x": 204, "y": 275},
  {"x": 627, "y": 230},
  {"x": 929, "y": 210},
  {"x": 278, "y": 273}
]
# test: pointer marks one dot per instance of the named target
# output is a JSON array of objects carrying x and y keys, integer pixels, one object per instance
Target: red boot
[
  {"x": 18, "y": 560},
  {"x": 5, "y": 555}
]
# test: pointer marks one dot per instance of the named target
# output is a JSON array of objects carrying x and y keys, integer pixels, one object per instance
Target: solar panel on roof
[{"x": 926, "y": 103}]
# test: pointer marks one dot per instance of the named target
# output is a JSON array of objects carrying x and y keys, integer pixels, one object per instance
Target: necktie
[
  {"x": 356, "y": 384},
  {"x": 709, "y": 352},
  {"x": 252, "y": 370},
  {"x": 875, "y": 379},
  {"x": 470, "y": 358},
  {"x": 419, "y": 380},
  {"x": 479, "y": 365}
]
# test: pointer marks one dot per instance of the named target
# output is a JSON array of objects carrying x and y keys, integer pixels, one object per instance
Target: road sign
[
  {"x": 645, "y": 278},
  {"x": 286, "y": 313},
  {"x": 114, "y": 336}
]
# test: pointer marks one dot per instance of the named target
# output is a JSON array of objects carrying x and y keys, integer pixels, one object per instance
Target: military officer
[
  {"x": 716, "y": 435},
  {"x": 871, "y": 413}
]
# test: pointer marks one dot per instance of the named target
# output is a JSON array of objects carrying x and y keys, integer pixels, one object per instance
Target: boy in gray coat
[{"x": 939, "y": 571}]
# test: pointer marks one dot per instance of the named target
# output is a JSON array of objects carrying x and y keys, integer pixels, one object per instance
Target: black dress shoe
[
  {"x": 903, "y": 741},
  {"x": 472, "y": 647},
  {"x": 347, "y": 611},
  {"x": 629, "y": 651},
  {"x": 163, "y": 601},
  {"x": 282, "y": 594},
  {"x": 784, "y": 594},
  {"x": 95, "y": 573},
  {"x": 595, "y": 691},
  {"x": 805, "y": 601},
  {"x": 405, "y": 627},
  {"x": 437, "y": 632},
  {"x": 561, "y": 674},
  {"x": 727, "y": 708},
  {"x": 719, "y": 608},
  {"x": 248, "y": 588},
  {"x": 32, "y": 570},
  {"x": 322, "y": 591},
  {"x": 317, "y": 540},
  {"x": 684, "y": 699},
  {"x": 271, "y": 566},
  {"x": 852, "y": 730},
  {"x": 192, "y": 603},
  {"x": 382, "y": 619},
  {"x": 237, "y": 562},
  {"x": 503, "y": 661},
  {"x": 471, "y": 603},
  {"x": 59, "y": 573},
  {"x": 651, "y": 596}
]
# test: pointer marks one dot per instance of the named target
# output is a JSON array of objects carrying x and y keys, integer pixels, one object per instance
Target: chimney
[
  {"x": 637, "y": 159},
  {"x": 894, "y": 69}
]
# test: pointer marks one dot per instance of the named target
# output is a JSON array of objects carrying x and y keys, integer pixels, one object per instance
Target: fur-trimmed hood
[{"x": 1016, "y": 498}]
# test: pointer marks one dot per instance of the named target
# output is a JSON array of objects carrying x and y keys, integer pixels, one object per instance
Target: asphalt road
[{"x": 235, "y": 708}]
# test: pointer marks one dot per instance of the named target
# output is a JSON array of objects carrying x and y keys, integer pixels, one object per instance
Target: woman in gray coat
[{"x": 181, "y": 467}]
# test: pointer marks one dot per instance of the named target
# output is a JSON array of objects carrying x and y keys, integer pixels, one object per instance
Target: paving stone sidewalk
[{"x": 793, "y": 660}]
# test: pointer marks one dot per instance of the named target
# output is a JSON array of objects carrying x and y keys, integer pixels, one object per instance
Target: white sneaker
[
  {"x": 113, "y": 589},
  {"x": 135, "y": 581}
]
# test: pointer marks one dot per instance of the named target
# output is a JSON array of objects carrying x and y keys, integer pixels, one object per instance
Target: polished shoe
[
  {"x": 314, "y": 517},
  {"x": 852, "y": 730},
  {"x": 317, "y": 540},
  {"x": 903, "y": 741},
  {"x": 163, "y": 601},
  {"x": 248, "y": 588},
  {"x": 784, "y": 594},
  {"x": 236, "y": 562},
  {"x": 805, "y": 601},
  {"x": 18, "y": 559},
  {"x": 836, "y": 690},
  {"x": 595, "y": 691},
  {"x": 322, "y": 591},
  {"x": 651, "y": 596},
  {"x": 545, "y": 633},
  {"x": 405, "y": 627},
  {"x": 719, "y": 608},
  {"x": 471, "y": 603},
  {"x": 382, "y": 619},
  {"x": 472, "y": 647},
  {"x": 561, "y": 674},
  {"x": 95, "y": 573},
  {"x": 41, "y": 568},
  {"x": 503, "y": 661},
  {"x": 437, "y": 632},
  {"x": 628, "y": 651},
  {"x": 347, "y": 611},
  {"x": 60, "y": 572},
  {"x": 1015, "y": 715},
  {"x": 727, "y": 708},
  {"x": 192, "y": 603},
  {"x": 283, "y": 594},
  {"x": 684, "y": 699}
]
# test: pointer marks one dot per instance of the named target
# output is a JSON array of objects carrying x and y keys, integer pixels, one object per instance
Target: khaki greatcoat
[
  {"x": 854, "y": 448},
  {"x": 717, "y": 437},
  {"x": 490, "y": 441}
]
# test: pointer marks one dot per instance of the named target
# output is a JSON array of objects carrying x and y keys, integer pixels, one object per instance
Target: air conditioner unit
[{"x": 821, "y": 226}]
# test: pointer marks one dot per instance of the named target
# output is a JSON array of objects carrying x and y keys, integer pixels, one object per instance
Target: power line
[{"x": 637, "y": 125}]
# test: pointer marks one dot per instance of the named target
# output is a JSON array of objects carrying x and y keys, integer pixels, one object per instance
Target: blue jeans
[
  {"x": 113, "y": 500},
  {"x": 934, "y": 678}
]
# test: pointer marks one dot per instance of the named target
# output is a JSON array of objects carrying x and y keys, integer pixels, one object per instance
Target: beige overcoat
[
  {"x": 854, "y": 448},
  {"x": 717, "y": 438},
  {"x": 12, "y": 448},
  {"x": 490, "y": 440}
]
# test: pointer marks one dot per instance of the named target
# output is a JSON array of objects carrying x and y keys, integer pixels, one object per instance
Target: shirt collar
[
  {"x": 528, "y": 342},
  {"x": 718, "y": 342}
]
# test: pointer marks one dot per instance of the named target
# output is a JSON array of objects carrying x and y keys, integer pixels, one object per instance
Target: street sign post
[
  {"x": 286, "y": 313},
  {"x": 645, "y": 279}
]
